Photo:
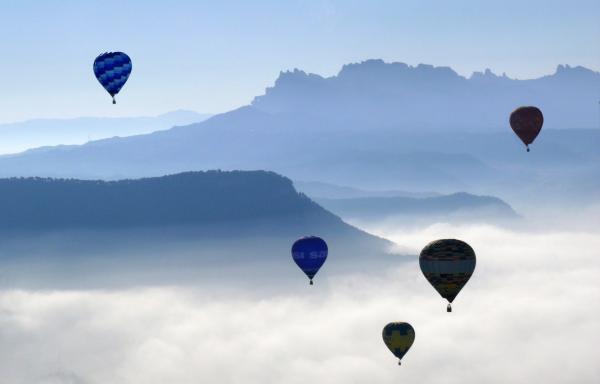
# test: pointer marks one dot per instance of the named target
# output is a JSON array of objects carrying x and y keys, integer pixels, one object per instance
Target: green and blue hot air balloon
[{"x": 447, "y": 264}]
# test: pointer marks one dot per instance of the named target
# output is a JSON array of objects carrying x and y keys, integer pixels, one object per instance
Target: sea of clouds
[{"x": 529, "y": 314}]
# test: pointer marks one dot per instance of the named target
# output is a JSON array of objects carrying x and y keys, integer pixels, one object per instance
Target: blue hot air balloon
[
  {"x": 112, "y": 69},
  {"x": 310, "y": 253}
]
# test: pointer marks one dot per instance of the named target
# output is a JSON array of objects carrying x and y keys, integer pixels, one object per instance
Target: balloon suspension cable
[
  {"x": 311, "y": 282},
  {"x": 114, "y": 101},
  {"x": 449, "y": 308}
]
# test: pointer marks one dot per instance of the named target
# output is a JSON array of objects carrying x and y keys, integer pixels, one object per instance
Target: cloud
[
  {"x": 529, "y": 314},
  {"x": 61, "y": 378}
]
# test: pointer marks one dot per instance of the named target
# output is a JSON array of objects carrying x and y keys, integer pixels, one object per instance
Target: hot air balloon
[
  {"x": 398, "y": 337},
  {"x": 447, "y": 264},
  {"x": 310, "y": 253},
  {"x": 527, "y": 123},
  {"x": 112, "y": 70}
]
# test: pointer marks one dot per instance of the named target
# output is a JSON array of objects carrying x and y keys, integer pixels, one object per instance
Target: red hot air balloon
[{"x": 527, "y": 123}]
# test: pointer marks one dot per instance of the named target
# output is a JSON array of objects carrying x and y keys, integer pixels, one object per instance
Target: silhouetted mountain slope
[
  {"x": 434, "y": 98},
  {"x": 228, "y": 226},
  {"x": 463, "y": 205},
  {"x": 193, "y": 198}
]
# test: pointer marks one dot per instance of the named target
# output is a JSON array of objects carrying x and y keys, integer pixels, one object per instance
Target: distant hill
[
  {"x": 321, "y": 190},
  {"x": 211, "y": 225},
  {"x": 193, "y": 198},
  {"x": 223, "y": 204},
  {"x": 454, "y": 206},
  {"x": 426, "y": 207},
  {"x": 17, "y": 137}
]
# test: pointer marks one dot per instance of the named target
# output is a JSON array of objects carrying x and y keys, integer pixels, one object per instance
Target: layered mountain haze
[
  {"x": 322, "y": 190},
  {"x": 407, "y": 209},
  {"x": 429, "y": 130},
  {"x": 144, "y": 247},
  {"x": 429, "y": 210},
  {"x": 17, "y": 137}
]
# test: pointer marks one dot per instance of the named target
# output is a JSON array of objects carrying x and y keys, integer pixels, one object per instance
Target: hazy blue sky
[{"x": 214, "y": 56}]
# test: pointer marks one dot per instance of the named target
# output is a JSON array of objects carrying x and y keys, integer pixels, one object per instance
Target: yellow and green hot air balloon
[
  {"x": 398, "y": 337},
  {"x": 447, "y": 264}
]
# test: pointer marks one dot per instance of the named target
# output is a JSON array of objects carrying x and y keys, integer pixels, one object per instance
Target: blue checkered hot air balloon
[
  {"x": 310, "y": 253},
  {"x": 112, "y": 69}
]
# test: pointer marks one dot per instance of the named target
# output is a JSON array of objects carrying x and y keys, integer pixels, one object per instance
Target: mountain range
[
  {"x": 425, "y": 97},
  {"x": 374, "y": 126},
  {"x": 17, "y": 137}
]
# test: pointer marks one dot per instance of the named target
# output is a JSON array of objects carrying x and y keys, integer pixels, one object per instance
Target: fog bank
[{"x": 530, "y": 313}]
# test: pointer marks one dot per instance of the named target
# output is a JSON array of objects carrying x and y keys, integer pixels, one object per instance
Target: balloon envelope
[
  {"x": 310, "y": 253},
  {"x": 527, "y": 123},
  {"x": 398, "y": 337},
  {"x": 447, "y": 264},
  {"x": 112, "y": 69}
]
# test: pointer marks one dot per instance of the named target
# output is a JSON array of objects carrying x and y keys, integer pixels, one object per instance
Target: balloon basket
[{"x": 449, "y": 308}]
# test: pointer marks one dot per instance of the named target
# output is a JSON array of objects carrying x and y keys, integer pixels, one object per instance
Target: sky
[{"x": 213, "y": 56}]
